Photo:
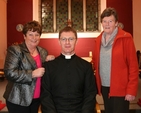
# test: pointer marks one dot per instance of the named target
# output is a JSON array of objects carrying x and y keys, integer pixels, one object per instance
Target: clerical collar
[{"x": 68, "y": 56}]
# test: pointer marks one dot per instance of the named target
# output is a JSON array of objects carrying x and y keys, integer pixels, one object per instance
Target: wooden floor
[
  {"x": 131, "y": 111},
  {"x": 134, "y": 107},
  {"x": 133, "y": 104}
]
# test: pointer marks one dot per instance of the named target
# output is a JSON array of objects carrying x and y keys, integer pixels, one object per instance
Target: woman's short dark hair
[
  {"x": 32, "y": 26},
  {"x": 108, "y": 12},
  {"x": 68, "y": 29}
]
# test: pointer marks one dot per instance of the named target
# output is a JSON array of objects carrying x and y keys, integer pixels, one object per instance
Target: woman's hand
[
  {"x": 38, "y": 72},
  {"x": 129, "y": 97},
  {"x": 50, "y": 57}
]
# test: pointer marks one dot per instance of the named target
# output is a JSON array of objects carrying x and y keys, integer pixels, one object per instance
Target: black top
[{"x": 68, "y": 85}]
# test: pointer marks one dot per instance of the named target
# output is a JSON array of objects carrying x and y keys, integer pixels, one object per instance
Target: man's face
[{"x": 67, "y": 41}]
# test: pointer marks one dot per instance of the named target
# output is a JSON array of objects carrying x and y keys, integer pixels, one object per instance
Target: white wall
[
  {"x": 3, "y": 33},
  {"x": 137, "y": 23}
]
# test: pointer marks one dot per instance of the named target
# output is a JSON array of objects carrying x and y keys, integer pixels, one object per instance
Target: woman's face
[
  {"x": 109, "y": 24},
  {"x": 32, "y": 39}
]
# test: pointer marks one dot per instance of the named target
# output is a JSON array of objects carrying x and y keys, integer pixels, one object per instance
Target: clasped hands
[{"x": 39, "y": 72}]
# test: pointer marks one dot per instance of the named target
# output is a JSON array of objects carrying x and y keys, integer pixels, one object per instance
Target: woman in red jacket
[{"x": 116, "y": 64}]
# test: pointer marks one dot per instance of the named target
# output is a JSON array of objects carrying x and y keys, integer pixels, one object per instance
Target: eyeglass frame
[{"x": 70, "y": 39}]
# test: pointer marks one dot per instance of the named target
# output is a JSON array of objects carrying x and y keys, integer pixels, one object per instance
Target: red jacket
[{"x": 124, "y": 66}]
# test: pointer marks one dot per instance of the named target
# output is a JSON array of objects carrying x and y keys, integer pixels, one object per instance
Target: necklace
[{"x": 32, "y": 52}]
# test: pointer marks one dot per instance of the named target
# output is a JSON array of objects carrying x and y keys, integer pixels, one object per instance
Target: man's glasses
[{"x": 67, "y": 39}]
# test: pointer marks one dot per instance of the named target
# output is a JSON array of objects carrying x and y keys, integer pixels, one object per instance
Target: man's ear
[
  {"x": 76, "y": 41},
  {"x": 59, "y": 42}
]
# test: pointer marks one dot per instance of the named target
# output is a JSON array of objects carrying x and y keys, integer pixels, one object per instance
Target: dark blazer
[
  {"x": 68, "y": 85},
  {"x": 18, "y": 68}
]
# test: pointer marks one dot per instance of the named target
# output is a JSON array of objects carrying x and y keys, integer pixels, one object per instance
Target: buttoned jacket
[
  {"x": 124, "y": 67},
  {"x": 18, "y": 68}
]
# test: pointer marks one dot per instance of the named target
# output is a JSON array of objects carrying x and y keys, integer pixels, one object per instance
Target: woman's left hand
[
  {"x": 129, "y": 97},
  {"x": 50, "y": 57}
]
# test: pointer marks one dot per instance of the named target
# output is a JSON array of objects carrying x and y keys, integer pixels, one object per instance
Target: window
[{"x": 83, "y": 15}]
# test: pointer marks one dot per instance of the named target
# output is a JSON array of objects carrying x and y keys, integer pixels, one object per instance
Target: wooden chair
[
  {"x": 1, "y": 75},
  {"x": 97, "y": 108}
]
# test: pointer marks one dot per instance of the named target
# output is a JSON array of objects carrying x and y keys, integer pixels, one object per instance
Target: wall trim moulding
[
  {"x": 80, "y": 35},
  {"x": 4, "y": 1}
]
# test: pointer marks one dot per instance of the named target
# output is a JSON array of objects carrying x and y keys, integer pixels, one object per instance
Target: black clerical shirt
[{"x": 68, "y": 86}]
